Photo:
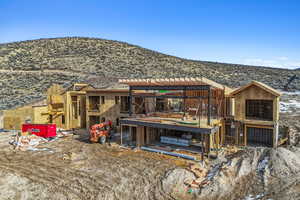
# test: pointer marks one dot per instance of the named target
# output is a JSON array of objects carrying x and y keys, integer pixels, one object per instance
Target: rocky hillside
[
  {"x": 28, "y": 68},
  {"x": 249, "y": 174}
]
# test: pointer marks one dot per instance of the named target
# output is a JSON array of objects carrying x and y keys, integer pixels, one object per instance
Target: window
[
  {"x": 74, "y": 107},
  {"x": 102, "y": 99},
  {"x": 161, "y": 104},
  {"x": 94, "y": 102},
  {"x": 124, "y": 104},
  {"x": 228, "y": 104},
  {"x": 63, "y": 119},
  {"x": 117, "y": 99},
  {"x": 229, "y": 130},
  {"x": 117, "y": 122},
  {"x": 259, "y": 109},
  {"x": 260, "y": 136},
  {"x": 139, "y": 105},
  {"x": 75, "y": 111}
]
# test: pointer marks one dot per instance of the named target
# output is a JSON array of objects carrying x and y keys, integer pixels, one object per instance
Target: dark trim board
[
  {"x": 207, "y": 131},
  {"x": 171, "y": 97},
  {"x": 175, "y": 87}
]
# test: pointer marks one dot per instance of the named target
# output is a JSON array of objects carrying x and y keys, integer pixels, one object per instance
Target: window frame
[
  {"x": 117, "y": 100},
  {"x": 102, "y": 99},
  {"x": 257, "y": 109}
]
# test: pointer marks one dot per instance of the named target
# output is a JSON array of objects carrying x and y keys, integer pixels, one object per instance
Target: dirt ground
[{"x": 74, "y": 169}]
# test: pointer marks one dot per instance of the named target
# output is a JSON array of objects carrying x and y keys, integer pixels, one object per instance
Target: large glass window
[{"x": 259, "y": 109}]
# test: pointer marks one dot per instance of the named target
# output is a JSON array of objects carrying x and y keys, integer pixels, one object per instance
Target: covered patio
[{"x": 182, "y": 112}]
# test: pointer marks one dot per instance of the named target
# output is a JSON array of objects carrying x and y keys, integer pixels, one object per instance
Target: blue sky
[{"x": 257, "y": 32}]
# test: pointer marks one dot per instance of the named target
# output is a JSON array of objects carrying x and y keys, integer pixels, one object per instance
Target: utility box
[{"x": 42, "y": 130}]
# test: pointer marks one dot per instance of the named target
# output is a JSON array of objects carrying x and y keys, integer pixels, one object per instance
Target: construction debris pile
[
  {"x": 27, "y": 142},
  {"x": 201, "y": 176}
]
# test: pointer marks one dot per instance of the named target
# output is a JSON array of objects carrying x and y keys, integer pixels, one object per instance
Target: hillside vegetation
[{"x": 28, "y": 68}]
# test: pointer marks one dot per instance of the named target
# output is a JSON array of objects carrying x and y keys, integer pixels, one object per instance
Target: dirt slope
[{"x": 79, "y": 170}]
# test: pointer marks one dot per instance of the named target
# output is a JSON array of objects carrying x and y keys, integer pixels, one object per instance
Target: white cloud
[
  {"x": 280, "y": 62},
  {"x": 283, "y": 58}
]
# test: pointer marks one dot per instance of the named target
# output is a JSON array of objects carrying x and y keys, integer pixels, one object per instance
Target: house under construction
[
  {"x": 195, "y": 114},
  {"x": 200, "y": 114},
  {"x": 81, "y": 106}
]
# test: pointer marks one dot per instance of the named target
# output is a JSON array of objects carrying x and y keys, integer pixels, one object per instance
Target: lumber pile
[
  {"x": 201, "y": 176},
  {"x": 175, "y": 140}
]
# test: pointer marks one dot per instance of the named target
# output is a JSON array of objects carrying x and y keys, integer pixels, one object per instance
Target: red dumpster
[{"x": 42, "y": 130}]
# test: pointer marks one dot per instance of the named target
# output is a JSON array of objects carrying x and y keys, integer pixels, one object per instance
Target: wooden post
[
  {"x": 275, "y": 135},
  {"x": 222, "y": 132},
  {"x": 140, "y": 136},
  {"x": 199, "y": 112},
  {"x": 207, "y": 143},
  {"x": 148, "y": 136},
  {"x": 202, "y": 148},
  {"x": 236, "y": 130},
  {"x": 218, "y": 140},
  {"x": 121, "y": 134},
  {"x": 130, "y": 134},
  {"x": 209, "y": 106},
  {"x": 212, "y": 140},
  {"x": 130, "y": 101},
  {"x": 184, "y": 101},
  {"x": 245, "y": 135},
  {"x": 138, "y": 140},
  {"x": 79, "y": 111}
]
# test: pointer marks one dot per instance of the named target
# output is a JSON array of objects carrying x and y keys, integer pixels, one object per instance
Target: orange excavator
[{"x": 100, "y": 132}]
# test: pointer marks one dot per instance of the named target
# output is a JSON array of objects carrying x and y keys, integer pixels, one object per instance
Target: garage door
[{"x": 260, "y": 136}]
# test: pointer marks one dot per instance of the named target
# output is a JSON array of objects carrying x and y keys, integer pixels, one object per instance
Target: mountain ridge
[
  {"x": 67, "y": 60},
  {"x": 138, "y": 46}
]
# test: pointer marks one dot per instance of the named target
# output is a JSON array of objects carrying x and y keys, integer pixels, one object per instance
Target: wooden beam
[
  {"x": 131, "y": 134},
  {"x": 236, "y": 136},
  {"x": 202, "y": 148},
  {"x": 209, "y": 107},
  {"x": 245, "y": 135},
  {"x": 130, "y": 101},
  {"x": 121, "y": 134}
]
